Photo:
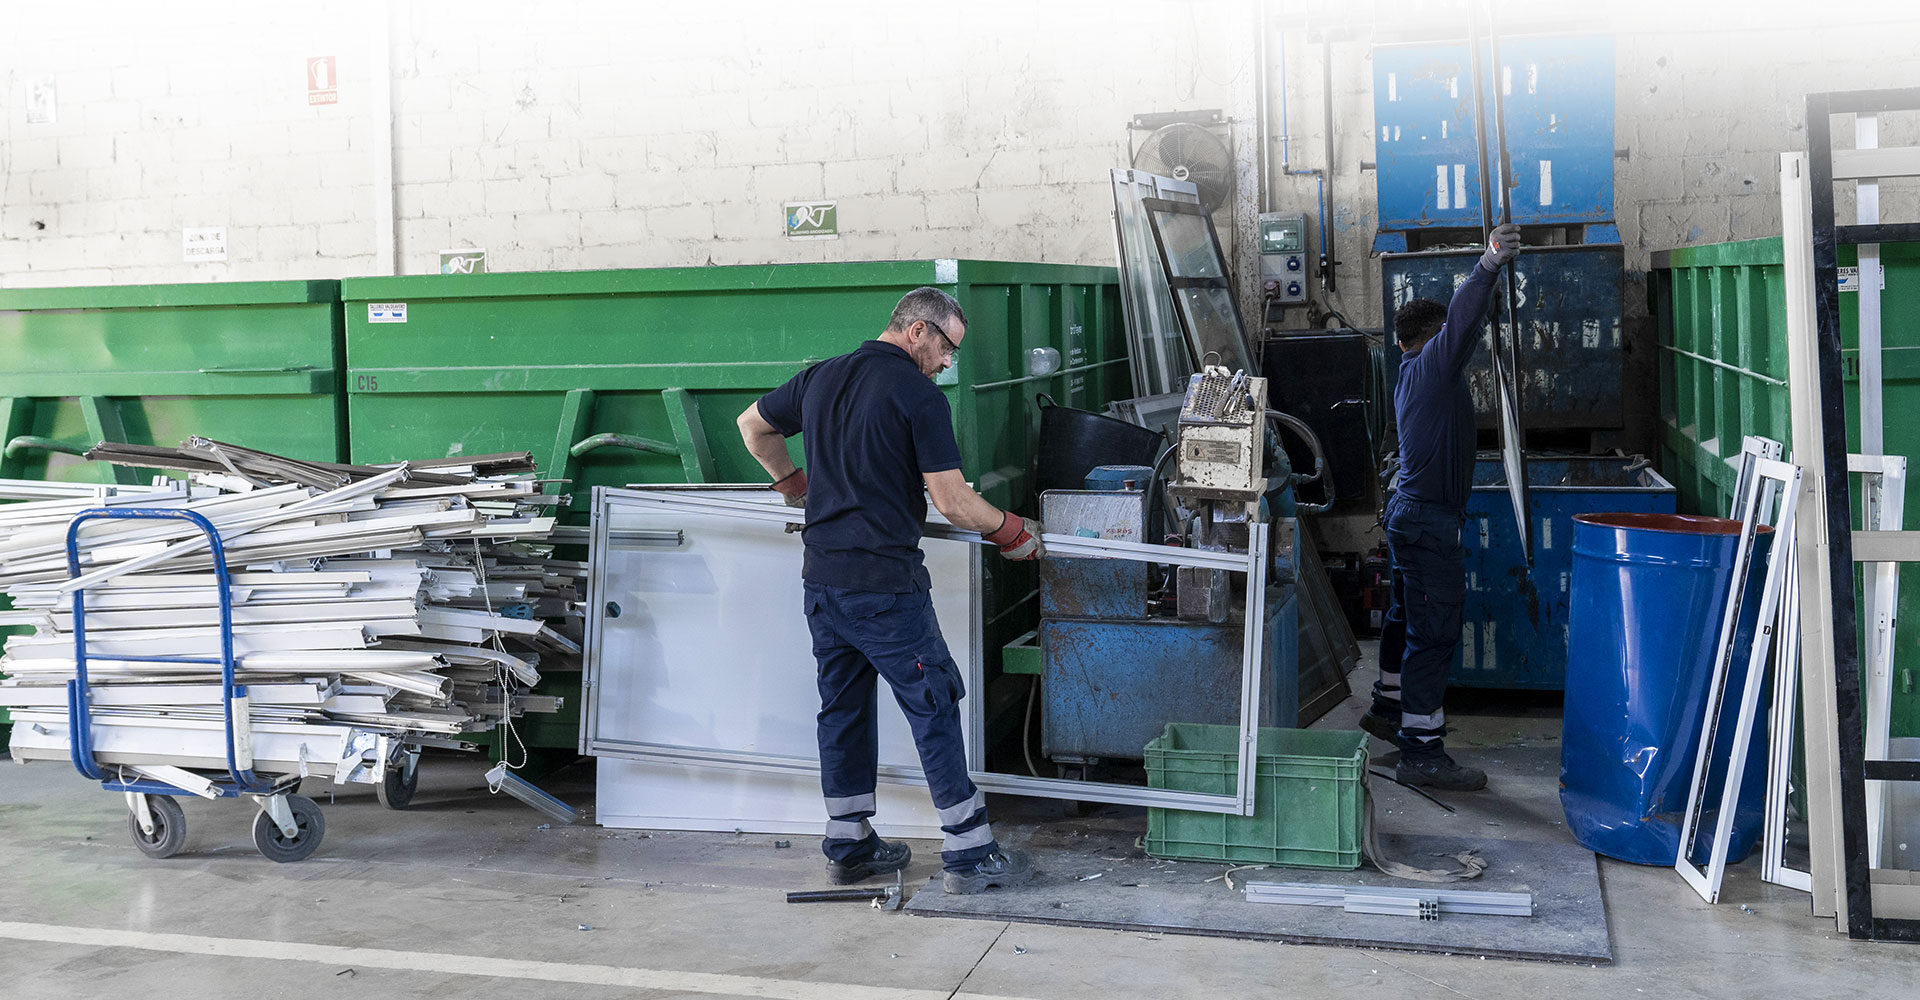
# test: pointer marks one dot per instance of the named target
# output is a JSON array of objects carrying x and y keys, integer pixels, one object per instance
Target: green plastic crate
[{"x": 1309, "y": 803}]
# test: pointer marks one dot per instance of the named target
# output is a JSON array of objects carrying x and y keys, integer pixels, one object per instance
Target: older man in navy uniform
[{"x": 878, "y": 433}]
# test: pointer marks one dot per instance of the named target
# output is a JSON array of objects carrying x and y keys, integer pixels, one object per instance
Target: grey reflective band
[
  {"x": 955, "y": 813},
  {"x": 847, "y": 805},
  {"x": 979, "y": 836},
  {"x": 840, "y": 829},
  {"x": 1410, "y": 722}
]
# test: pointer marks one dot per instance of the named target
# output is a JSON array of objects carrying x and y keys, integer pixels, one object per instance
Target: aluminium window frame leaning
[
  {"x": 1883, "y": 491},
  {"x": 1162, "y": 358},
  {"x": 1767, "y": 486},
  {"x": 1845, "y": 883},
  {"x": 1253, "y": 563}
]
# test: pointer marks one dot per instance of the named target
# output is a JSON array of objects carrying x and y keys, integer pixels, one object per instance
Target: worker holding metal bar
[
  {"x": 878, "y": 434},
  {"x": 1424, "y": 517}
]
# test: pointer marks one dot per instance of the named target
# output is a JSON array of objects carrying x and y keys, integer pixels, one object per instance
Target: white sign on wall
[
  {"x": 202, "y": 244},
  {"x": 41, "y": 109}
]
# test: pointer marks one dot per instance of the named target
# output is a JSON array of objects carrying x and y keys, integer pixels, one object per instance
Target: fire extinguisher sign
[{"x": 323, "y": 87}]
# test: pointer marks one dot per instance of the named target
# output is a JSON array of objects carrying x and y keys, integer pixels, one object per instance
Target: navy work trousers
[
  {"x": 859, "y": 636},
  {"x": 1422, "y": 627}
]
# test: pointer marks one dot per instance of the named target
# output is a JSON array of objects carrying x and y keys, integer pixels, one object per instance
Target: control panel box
[{"x": 1283, "y": 255}]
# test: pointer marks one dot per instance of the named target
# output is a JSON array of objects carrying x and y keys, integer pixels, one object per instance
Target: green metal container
[
  {"x": 1309, "y": 800},
  {"x": 637, "y": 376},
  {"x": 253, "y": 363},
  {"x": 1721, "y": 311}
]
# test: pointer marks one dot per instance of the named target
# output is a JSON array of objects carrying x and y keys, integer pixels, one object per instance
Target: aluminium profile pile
[{"x": 372, "y": 606}]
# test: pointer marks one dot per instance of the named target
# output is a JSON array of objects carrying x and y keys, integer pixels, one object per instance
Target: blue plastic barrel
[{"x": 1647, "y": 596}]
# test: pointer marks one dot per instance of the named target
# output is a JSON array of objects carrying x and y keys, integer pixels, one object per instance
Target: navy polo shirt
[{"x": 873, "y": 426}]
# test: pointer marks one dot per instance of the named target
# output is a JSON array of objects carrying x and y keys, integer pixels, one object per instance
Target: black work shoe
[
  {"x": 1439, "y": 772},
  {"x": 1380, "y": 726},
  {"x": 1002, "y": 868},
  {"x": 889, "y": 857}
]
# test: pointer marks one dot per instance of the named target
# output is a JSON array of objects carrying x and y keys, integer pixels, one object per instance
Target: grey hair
[{"x": 925, "y": 304}]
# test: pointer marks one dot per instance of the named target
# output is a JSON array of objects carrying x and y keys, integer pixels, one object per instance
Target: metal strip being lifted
[{"x": 1059, "y": 545}]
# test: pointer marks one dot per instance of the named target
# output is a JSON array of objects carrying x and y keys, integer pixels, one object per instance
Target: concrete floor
[{"x": 467, "y": 896}]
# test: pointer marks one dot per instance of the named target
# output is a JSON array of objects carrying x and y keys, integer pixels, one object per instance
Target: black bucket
[{"x": 1074, "y": 442}]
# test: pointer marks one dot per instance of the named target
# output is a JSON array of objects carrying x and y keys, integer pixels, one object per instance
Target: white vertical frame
[
  {"x": 1866, "y": 135},
  {"x": 1882, "y": 505},
  {"x": 1786, "y": 690},
  {"x": 710, "y": 499},
  {"x": 1883, "y": 492},
  {"x": 1819, "y": 701},
  {"x": 1756, "y": 499}
]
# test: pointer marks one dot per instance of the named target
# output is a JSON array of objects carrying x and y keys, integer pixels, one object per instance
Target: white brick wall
[{"x": 586, "y": 134}]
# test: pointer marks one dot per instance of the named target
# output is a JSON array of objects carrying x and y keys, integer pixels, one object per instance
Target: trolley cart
[{"x": 289, "y": 826}]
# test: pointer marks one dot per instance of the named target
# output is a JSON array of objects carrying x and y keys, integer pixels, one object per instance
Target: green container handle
[
  {"x": 19, "y": 446},
  {"x": 633, "y": 441}
]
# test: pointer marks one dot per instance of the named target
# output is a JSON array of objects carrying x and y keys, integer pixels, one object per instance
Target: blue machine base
[{"x": 1109, "y": 686}]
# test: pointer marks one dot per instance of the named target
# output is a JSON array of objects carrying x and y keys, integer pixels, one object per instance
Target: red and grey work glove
[
  {"x": 1019, "y": 538},
  {"x": 793, "y": 486},
  {"x": 1502, "y": 244}
]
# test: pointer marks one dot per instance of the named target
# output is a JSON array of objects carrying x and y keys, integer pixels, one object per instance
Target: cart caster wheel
[
  {"x": 169, "y": 828},
  {"x": 395, "y": 791},
  {"x": 277, "y": 846}
]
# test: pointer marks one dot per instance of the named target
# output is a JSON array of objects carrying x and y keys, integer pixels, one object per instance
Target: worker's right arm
[
  {"x": 1454, "y": 344},
  {"x": 767, "y": 445},
  {"x": 765, "y": 426}
]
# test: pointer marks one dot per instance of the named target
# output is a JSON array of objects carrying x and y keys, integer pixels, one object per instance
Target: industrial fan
[{"x": 1188, "y": 152}]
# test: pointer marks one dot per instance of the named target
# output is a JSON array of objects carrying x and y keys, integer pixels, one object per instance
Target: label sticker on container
[
  {"x": 386, "y": 312},
  {"x": 1850, "y": 279}
]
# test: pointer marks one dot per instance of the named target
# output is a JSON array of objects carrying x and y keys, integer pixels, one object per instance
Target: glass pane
[
  {"x": 1190, "y": 250},
  {"x": 1216, "y": 330},
  {"x": 1161, "y": 363}
]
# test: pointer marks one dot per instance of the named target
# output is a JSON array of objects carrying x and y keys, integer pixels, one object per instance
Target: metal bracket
[
  {"x": 137, "y": 803},
  {"x": 275, "y": 806}
]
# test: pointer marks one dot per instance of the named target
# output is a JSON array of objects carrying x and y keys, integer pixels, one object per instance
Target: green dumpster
[
  {"x": 254, "y": 363},
  {"x": 636, "y": 376},
  {"x": 1721, "y": 311}
]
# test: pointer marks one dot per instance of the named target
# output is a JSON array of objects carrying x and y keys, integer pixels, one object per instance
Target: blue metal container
[
  {"x": 1558, "y": 93},
  {"x": 1109, "y": 478},
  {"x": 1570, "y": 300},
  {"x": 1108, "y": 687},
  {"x": 1514, "y": 631},
  {"x": 1649, "y": 591}
]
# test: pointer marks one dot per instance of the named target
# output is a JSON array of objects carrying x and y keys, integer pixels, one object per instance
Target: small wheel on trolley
[
  {"x": 273, "y": 842},
  {"x": 395, "y": 790},
  {"x": 169, "y": 827}
]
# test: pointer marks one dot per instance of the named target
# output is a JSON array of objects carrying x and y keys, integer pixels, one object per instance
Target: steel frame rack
[{"x": 1825, "y": 166}]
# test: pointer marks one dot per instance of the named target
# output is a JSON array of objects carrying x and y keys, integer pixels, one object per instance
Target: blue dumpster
[{"x": 1648, "y": 594}]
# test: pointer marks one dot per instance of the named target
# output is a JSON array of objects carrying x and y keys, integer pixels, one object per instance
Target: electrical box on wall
[{"x": 1283, "y": 256}]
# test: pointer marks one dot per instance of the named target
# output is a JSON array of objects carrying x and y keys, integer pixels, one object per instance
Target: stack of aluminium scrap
[{"x": 373, "y": 607}]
